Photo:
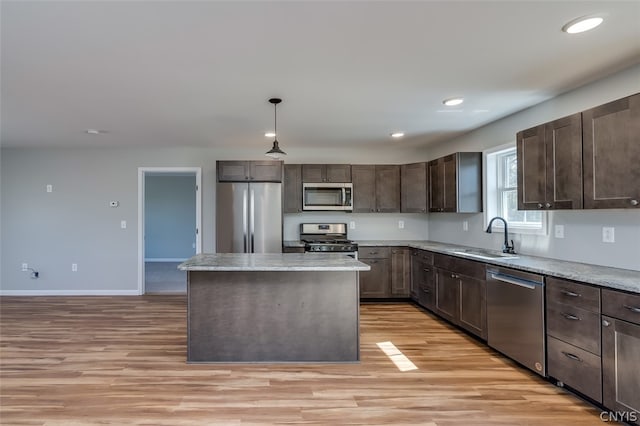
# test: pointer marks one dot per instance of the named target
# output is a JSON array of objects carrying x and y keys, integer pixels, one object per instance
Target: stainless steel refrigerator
[{"x": 249, "y": 217}]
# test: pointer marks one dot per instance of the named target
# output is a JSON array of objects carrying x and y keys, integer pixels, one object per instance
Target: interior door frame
[{"x": 142, "y": 173}]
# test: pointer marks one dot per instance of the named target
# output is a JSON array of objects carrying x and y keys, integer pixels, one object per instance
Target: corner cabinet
[
  {"x": 413, "y": 191},
  {"x": 376, "y": 188},
  {"x": 253, "y": 171},
  {"x": 455, "y": 183},
  {"x": 550, "y": 165},
  {"x": 611, "y": 151}
]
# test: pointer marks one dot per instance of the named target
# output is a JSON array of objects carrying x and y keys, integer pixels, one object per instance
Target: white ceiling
[{"x": 182, "y": 73}]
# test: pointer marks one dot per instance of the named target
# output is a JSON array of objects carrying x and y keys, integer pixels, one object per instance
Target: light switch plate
[
  {"x": 123, "y": 224},
  {"x": 608, "y": 234},
  {"x": 352, "y": 224},
  {"x": 74, "y": 267},
  {"x": 559, "y": 231},
  {"x": 465, "y": 225},
  {"x": 401, "y": 224},
  {"x": 49, "y": 188}
]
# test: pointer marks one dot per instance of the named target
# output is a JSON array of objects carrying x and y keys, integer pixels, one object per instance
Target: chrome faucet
[{"x": 506, "y": 248}]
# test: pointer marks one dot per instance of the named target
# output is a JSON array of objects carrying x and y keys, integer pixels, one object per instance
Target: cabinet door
[
  {"x": 375, "y": 282},
  {"x": 450, "y": 190},
  {"x": 364, "y": 188},
  {"x": 447, "y": 292},
  {"x": 387, "y": 189},
  {"x": 427, "y": 288},
  {"x": 413, "y": 188},
  {"x": 400, "y": 272},
  {"x": 233, "y": 171},
  {"x": 531, "y": 156},
  {"x": 620, "y": 372},
  {"x": 473, "y": 306},
  {"x": 563, "y": 140},
  {"x": 265, "y": 171},
  {"x": 292, "y": 188},
  {"x": 313, "y": 173},
  {"x": 436, "y": 185},
  {"x": 611, "y": 150},
  {"x": 340, "y": 173}
]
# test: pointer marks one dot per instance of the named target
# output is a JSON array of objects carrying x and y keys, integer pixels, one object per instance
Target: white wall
[{"x": 583, "y": 228}]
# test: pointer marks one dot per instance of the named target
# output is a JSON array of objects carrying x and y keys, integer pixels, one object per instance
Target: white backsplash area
[{"x": 368, "y": 226}]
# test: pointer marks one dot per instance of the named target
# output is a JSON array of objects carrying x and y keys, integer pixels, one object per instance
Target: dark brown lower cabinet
[
  {"x": 621, "y": 354},
  {"x": 375, "y": 283},
  {"x": 447, "y": 295},
  {"x": 574, "y": 367},
  {"x": 423, "y": 282},
  {"x": 400, "y": 272},
  {"x": 473, "y": 306}
]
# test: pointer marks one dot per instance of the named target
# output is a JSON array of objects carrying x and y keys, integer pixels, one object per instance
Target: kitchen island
[{"x": 272, "y": 307}]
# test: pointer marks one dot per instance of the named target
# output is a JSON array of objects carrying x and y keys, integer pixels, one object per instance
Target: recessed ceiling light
[
  {"x": 582, "y": 24},
  {"x": 269, "y": 135},
  {"x": 95, "y": 132},
  {"x": 453, "y": 101},
  {"x": 397, "y": 135}
]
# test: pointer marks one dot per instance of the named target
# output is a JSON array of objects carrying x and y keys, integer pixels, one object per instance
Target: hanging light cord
[{"x": 275, "y": 120}]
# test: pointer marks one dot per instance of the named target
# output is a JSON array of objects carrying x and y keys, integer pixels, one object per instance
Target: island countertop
[{"x": 272, "y": 262}]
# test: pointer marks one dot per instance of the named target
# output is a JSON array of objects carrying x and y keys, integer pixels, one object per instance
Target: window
[{"x": 502, "y": 194}]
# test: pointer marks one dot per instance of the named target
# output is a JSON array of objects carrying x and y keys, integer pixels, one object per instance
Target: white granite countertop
[
  {"x": 272, "y": 262},
  {"x": 616, "y": 278}
]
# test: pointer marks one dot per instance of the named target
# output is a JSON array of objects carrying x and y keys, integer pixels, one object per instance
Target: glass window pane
[
  {"x": 511, "y": 178},
  {"x": 510, "y": 207}
]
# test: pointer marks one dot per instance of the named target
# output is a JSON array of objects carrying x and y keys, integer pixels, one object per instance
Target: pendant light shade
[{"x": 275, "y": 152}]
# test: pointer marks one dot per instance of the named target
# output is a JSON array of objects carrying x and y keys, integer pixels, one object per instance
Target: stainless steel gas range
[{"x": 327, "y": 238}]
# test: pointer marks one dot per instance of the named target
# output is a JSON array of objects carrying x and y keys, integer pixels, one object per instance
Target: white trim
[
  {"x": 163, "y": 259},
  {"x": 170, "y": 170},
  {"x": 69, "y": 293}
]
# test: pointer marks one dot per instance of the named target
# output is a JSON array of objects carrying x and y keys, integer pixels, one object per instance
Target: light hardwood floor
[{"x": 121, "y": 360}]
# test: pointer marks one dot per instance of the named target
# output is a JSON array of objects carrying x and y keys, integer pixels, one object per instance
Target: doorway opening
[{"x": 169, "y": 223}]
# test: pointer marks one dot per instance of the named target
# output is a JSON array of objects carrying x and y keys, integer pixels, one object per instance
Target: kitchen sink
[{"x": 485, "y": 254}]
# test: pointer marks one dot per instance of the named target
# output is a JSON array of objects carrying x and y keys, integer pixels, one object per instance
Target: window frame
[{"x": 491, "y": 191}]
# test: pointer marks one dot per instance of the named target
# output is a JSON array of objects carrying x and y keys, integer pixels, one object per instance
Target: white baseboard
[
  {"x": 69, "y": 293},
  {"x": 164, "y": 259}
]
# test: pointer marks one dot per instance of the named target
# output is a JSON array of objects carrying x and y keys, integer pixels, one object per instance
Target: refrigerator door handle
[
  {"x": 252, "y": 219},
  {"x": 244, "y": 219}
]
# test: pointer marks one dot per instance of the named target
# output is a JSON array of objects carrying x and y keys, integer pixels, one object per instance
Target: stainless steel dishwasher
[{"x": 515, "y": 316}]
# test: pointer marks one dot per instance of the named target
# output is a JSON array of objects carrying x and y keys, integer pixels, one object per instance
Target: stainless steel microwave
[{"x": 327, "y": 196}]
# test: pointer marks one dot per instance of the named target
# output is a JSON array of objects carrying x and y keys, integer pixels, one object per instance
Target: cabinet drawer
[
  {"x": 423, "y": 256},
  {"x": 574, "y": 294},
  {"x": 576, "y": 367},
  {"x": 373, "y": 252},
  {"x": 576, "y": 326},
  {"x": 460, "y": 266},
  {"x": 625, "y": 306}
]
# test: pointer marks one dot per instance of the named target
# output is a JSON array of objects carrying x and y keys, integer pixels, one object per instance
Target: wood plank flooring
[{"x": 121, "y": 360}]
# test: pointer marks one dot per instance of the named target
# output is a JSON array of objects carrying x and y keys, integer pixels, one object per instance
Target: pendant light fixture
[{"x": 275, "y": 152}]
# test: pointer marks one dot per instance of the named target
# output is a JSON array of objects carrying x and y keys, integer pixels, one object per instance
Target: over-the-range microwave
[{"x": 327, "y": 196}]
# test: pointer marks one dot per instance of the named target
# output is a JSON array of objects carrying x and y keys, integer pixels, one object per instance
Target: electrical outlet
[
  {"x": 352, "y": 224},
  {"x": 25, "y": 267},
  {"x": 401, "y": 224},
  {"x": 49, "y": 188},
  {"x": 74, "y": 267},
  {"x": 465, "y": 225},
  {"x": 608, "y": 234},
  {"x": 559, "y": 231},
  {"x": 123, "y": 224}
]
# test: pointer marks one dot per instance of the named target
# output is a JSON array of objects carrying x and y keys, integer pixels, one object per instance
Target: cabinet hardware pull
[
  {"x": 606, "y": 323},
  {"x": 571, "y": 317},
  {"x": 540, "y": 205},
  {"x": 547, "y": 205},
  {"x": 632, "y": 309},
  {"x": 426, "y": 270},
  {"x": 426, "y": 290},
  {"x": 373, "y": 252},
  {"x": 634, "y": 202},
  {"x": 572, "y": 356},
  {"x": 569, "y": 293}
]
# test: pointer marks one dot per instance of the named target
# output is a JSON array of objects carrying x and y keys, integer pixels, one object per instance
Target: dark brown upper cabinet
[
  {"x": 611, "y": 152},
  {"x": 413, "y": 191},
  {"x": 376, "y": 188},
  {"x": 249, "y": 171},
  {"x": 292, "y": 188},
  {"x": 455, "y": 183},
  {"x": 550, "y": 165},
  {"x": 314, "y": 173}
]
